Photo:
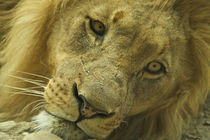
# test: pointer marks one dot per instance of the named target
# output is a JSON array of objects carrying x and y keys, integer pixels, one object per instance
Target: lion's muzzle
[{"x": 70, "y": 100}]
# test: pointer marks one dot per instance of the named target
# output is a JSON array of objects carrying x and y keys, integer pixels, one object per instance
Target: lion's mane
[{"x": 25, "y": 26}]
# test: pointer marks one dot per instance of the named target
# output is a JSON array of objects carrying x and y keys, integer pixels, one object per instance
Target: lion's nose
[{"x": 87, "y": 110}]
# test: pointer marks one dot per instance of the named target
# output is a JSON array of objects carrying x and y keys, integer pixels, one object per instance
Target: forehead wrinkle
[
  {"x": 163, "y": 50},
  {"x": 160, "y": 47}
]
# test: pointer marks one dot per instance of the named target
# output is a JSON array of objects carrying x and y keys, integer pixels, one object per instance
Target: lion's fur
[{"x": 25, "y": 27}]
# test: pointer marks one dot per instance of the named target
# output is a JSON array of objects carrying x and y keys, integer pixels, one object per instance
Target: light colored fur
[{"x": 24, "y": 31}]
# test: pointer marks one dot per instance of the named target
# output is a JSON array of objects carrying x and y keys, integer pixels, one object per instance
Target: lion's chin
[
  {"x": 60, "y": 127},
  {"x": 68, "y": 130}
]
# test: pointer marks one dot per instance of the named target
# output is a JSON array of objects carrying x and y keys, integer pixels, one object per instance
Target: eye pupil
[{"x": 97, "y": 27}]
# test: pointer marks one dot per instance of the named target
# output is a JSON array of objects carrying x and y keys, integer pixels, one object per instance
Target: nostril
[
  {"x": 74, "y": 89},
  {"x": 75, "y": 93},
  {"x": 88, "y": 111}
]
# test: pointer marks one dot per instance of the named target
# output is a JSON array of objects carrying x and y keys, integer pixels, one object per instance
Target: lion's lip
[{"x": 81, "y": 118}]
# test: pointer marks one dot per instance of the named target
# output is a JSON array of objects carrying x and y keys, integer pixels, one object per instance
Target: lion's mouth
[{"x": 87, "y": 112}]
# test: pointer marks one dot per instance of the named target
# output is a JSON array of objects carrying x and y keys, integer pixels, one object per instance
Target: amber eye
[
  {"x": 155, "y": 68},
  {"x": 97, "y": 27}
]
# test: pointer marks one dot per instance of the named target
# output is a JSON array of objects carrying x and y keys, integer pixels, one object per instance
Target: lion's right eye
[
  {"x": 97, "y": 26},
  {"x": 155, "y": 68}
]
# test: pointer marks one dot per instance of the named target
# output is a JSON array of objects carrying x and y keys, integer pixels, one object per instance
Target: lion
[{"x": 111, "y": 69}]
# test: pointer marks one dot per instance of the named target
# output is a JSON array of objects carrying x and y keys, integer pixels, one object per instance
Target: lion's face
[{"x": 110, "y": 62}]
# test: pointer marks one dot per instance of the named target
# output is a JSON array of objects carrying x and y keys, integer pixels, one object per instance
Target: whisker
[
  {"x": 35, "y": 87},
  {"x": 28, "y": 105},
  {"x": 28, "y": 80},
  {"x": 24, "y": 82},
  {"x": 29, "y": 93},
  {"x": 38, "y": 106},
  {"x": 29, "y": 88},
  {"x": 25, "y": 93},
  {"x": 41, "y": 103},
  {"x": 24, "y": 89},
  {"x": 39, "y": 81},
  {"x": 32, "y": 74}
]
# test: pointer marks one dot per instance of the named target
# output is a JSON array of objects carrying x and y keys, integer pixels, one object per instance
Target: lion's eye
[
  {"x": 97, "y": 27},
  {"x": 155, "y": 68}
]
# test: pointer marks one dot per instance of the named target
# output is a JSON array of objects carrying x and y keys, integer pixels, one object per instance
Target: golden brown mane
[{"x": 24, "y": 29}]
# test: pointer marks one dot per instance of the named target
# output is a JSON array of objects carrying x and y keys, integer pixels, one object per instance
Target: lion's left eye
[
  {"x": 155, "y": 68},
  {"x": 97, "y": 26}
]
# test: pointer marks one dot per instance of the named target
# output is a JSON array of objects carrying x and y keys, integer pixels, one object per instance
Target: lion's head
[{"x": 105, "y": 69}]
